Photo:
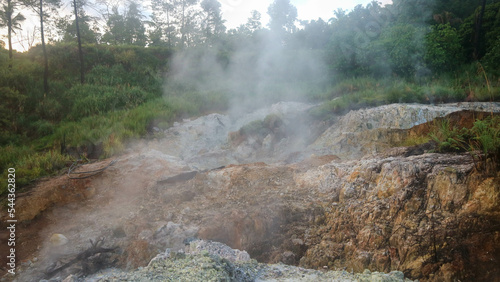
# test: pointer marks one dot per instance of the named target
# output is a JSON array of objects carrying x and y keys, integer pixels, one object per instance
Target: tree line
[{"x": 442, "y": 33}]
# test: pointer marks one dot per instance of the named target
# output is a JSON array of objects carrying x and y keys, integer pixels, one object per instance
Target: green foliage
[
  {"x": 490, "y": 31},
  {"x": 68, "y": 26},
  {"x": 449, "y": 138},
  {"x": 415, "y": 140},
  {"x": 283, "y": 16},
  {"x": 441, "y": 93},
  {"x": 255, "y": 127},
  {"x": 486, "y": 138},
  {"x": 12, "y": 104},
  {"x": 95, "y": 99},
  {"x": 483, "y": 137},
  {"x": 444, "y": 51},
  {"x": 491, "y": 60},
  {"x": 261, "y": 128},
  {"x": 405, "y": 48},
  {"x": 29, "y": 165},
  {"x": 127, "y": 28},
  {"x": 368, "y": 92}
]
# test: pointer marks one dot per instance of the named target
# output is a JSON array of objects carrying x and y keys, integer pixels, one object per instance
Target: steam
[{"x": 253, "y": 73}]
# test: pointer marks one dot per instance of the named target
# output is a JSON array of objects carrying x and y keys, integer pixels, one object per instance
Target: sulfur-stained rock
[{"x": 430, "y": 216}]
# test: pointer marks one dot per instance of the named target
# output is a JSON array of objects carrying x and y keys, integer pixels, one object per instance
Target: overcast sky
[{"x": 236, "y": 12}]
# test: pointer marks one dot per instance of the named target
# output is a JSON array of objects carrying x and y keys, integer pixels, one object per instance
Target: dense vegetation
[{"x": 106, "y": 84}]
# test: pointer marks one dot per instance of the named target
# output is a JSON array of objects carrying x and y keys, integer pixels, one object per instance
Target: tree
[
  {"x": 253, "y": 23},
  {"x": 185, "y": 15},
  {"x": 479, "y": 24},
  {"x": 315, "y": 35},
  {"x": 478, "y": 41},
  {"x": 213, "y": 24},
  {"x": 163, "y": 19},
  {"x": 414, "y": 11},
  {"x": 38, "y": 7},
  {"x": 11, "y": 22},
  {"x": 68, "y": 29},
  {"x": 405, "y": 47},
  {"x": 283, "y": 16},
  {"x": 443, "y": 49},
  {"x": 127, "y": 28},
  {"x": 134, "y": 26},
  {"x": 79, "y": 39}
]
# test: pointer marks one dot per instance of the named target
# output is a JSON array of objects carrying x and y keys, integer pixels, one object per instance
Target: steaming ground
[
  {"x": 122, "y": 202},
  {"x": 205, "y": 178},
  {"x": 203, "y": 143}
]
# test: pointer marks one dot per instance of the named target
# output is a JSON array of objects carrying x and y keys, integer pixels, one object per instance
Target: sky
[{"x": 235, "y": 12}]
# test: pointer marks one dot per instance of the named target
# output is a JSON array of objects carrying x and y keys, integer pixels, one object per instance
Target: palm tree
[{"x": 12, "y": 23}]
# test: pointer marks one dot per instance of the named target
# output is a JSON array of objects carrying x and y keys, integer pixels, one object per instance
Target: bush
[{"x": 492, "y": 59}]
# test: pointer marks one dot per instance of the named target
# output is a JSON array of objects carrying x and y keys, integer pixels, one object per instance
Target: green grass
[
  {"x": 470, "y": 83},
  {"x": 30, "y": 165}
]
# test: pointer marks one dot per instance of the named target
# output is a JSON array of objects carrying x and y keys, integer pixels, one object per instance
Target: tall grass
[
  {"x": 468, "y": 84},
  {"x": 29, "y": 165}
]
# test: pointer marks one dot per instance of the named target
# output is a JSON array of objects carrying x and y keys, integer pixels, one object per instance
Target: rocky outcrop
[
  {"x": 212, "y": 261},
  {"x": 431, "y": 216},
  {"x": 375, "y": 130}
]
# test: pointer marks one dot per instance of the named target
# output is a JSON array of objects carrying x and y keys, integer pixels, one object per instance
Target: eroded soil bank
[{"x": 288, "y": 189}]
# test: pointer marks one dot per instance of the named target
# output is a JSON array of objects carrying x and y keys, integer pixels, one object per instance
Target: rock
[
  {"x": 410, "y": 213},
  {"x": 369, "y": 131},
  {"x": 196, "y": 265},
  {"x": 58, "y": 240},
  {"x": 71, "y": 278}
]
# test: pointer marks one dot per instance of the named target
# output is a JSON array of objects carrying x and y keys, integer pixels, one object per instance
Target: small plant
[
  {"x": 482, "y": 141},
  {"x": 449, "y": 138},
  {"x": 486, "y": 138}
]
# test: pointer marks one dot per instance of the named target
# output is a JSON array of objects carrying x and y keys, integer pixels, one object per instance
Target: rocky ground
[{"x": 286, "y": 189}]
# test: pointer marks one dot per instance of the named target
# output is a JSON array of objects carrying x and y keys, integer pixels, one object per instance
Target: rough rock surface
[
  {"x": 430, "y": 216},
  {"x": 374, "y": 130},
  {"x": 211, "y": 261}
]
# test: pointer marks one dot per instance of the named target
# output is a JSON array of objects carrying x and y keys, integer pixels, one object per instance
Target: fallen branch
[{"x": 93, "y": 250}]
